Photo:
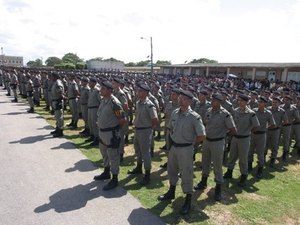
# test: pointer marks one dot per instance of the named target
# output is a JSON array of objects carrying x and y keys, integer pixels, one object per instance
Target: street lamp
[
  {"x": 2, "y": 63},
  {"x": 151, "y": 53}
]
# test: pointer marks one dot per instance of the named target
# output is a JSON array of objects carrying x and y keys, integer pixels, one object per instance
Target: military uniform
[
  {"x": 296, "y": 129},
  {"x": 258, "y": 139},
  {"x": 14, "y": 84},
  {"x": 29, "y": 90},
  {"x": 84, "y": 98},
  {"x": 73, "y": 102},
  {"x": 37, "y": 89}
]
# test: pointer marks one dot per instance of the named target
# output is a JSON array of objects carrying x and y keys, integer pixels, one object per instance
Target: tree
[
  {"x": 52, "y": 60},
  {"x": 143, "y": 63},
  {"x": 36, "y": 63},
  {"x": 71, "y": 58},
  {"x": 130, "y": 64},
  {"x": 162, "y": 62},
  {"x": 203, "y": 60}
]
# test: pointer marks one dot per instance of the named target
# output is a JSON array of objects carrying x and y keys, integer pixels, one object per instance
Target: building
[
  {"x": 276, "y": 71},
  {"x": 6, "y": 60},
  {"x": 105, "y": 65}
]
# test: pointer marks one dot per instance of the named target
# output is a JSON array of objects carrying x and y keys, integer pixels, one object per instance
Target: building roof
[{"x": 250, "y": 65}]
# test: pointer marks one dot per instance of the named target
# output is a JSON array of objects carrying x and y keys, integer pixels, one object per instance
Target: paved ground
[{"x": 46, "y": 180}]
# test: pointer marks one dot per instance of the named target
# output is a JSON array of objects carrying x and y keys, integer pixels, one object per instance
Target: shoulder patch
[
  {"x": 227, "y": 115},
  {"x": 253, "y": 115}
]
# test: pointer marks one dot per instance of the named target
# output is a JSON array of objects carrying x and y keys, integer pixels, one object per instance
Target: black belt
[
  {"x": 83, "y": 103},
  {"x": 241, "y": 136},
  {"x": 259, "y": 132},
  {"x": 178, "y": 145},
  {"x": 276, "y": 128},
  {"x": 142, "y": 128},
  {"x": 92, "y": 107},
  {"x": 287, "y": 125},
  {"x": 72, "y": 98},
  {"x": 296, "y": 123},
  {"x": 55, "y": 100},
  {"x": 214, "y": 139},
  {"x": 36, "y": 86},
  {"x": 110, "y": 128}
]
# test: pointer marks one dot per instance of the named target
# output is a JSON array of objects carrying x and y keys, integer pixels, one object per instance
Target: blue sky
[{"x": 224, "y": 30}]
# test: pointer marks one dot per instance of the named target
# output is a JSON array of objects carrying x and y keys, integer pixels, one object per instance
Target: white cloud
[{"x": 181, "y": 30}]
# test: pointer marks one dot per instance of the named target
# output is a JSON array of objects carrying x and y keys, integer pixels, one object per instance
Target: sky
[{"x": 229, "y": 31}]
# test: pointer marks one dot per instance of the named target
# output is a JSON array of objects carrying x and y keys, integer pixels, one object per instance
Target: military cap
[
  {"x": 208, "y": 88},
  {"x": 268, "y": 92},
  {"x": 244, "y": 97},
  {"x": 176, "y": 90},
  {"x": 120, "y": 81},
  {"x": 240, "y": 91},
  {"x": 187, "y": 94},
  {"x": 277, "y": 99},
  {"x": 203, "y": 92},
  {"x": 55, "y": 74},
  {"x": 224, "y": 93},
  {"x": 263, "y": 98},
  {"x": 254, "y": 93},
  {"x": 93, "y": 79},
  {"x": 107, "y": 84},
  {"x": 156, "y": 84},
  {"x": 288, "y": 97},
  {"x": 86, "y": 79},
  {"x": 218, "y": 96},
  {"x": 144, "y": 86}
]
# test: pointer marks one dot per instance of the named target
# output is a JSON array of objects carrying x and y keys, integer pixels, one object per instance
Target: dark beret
[
  {"x": 86, "y": 79},
  {"x": 176, "y": 90},
  {"x": 244, "y": 97},
  {"x": 254, "y": 93},
  {"x": 263, "y": 98},
  {"x": 120, "y": 81},
  {"x": 93, "y": 79},
  {"x": 288, "y": 97},
  {"x": 187, "y": 94},
  {"x": 277, "y": 99},
  {"x": 203, "y": 92},
  {"x": 143, "y": 86},
  {"x": 107, "y": 84},
  {"x": 218, "y": 96}
]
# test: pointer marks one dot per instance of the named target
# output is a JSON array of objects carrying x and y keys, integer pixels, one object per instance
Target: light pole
[
  {"x": 2, "y": 57},
  {"x": 151, "y": 54}
]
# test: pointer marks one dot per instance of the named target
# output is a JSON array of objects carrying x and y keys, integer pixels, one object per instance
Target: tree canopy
[
  {"x": 203, "y": 60},
  {"x": 52, "y": 60},
  {"x": 71, "y": 58},
  {"x": 35, "y": 63}
]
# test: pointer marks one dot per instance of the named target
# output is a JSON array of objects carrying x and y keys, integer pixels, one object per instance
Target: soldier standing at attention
[
  {"x": 29, "y": 90},
  {"x": 273, "y": 134},
  {"x": 245, "y": 120},
  {"x": 293, "y": 116},
  {"x": 186, "y": 129},
  {"x": 73, "y": 93},
  {"x": 84, "y": 98},
  {"x": 93, "y": 104},
  {"x": 296, "y": 128},
  {"x": 14, "y": 84},
  {"x": 146, "y": 120},
  {"x": 57, "y": 96},
  {"x": 110, "y": 120},
  {"x": 217, "y": 121},
  {"x": 258, "y": 138},
  {"x": 37, "y": 89}
]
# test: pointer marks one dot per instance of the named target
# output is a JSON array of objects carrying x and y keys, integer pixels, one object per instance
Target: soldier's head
[
  {"x": 93, "y": 82},
  {"x": 287, "y": 99},
  {"x": 243, "y": 100},
  {"x": 203, "y": 94},
  {"x": 262, "y": 101},
  {"x": 175, "y": 92},
  {"x": 217, "y": 100},
  {"x": 276, "y": 102},
  {"x": 143, "y": 90},
  {"x": 106, "y": 89},
  {"x": 185, "y": 98}
]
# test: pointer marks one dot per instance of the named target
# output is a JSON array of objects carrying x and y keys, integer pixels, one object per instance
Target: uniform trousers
[
  {"x": 286, "y": 136},
  {"x": 74, "y": 109},
  {"x": 180, "y": 160},
  {"x": 92, "y": 121},
  {"x": 296, "y": 134},
  {"x": 84, "y": 110},
  {"x": 213, "y": 152},
  {"x": 111, "y": 158},
  {"x": 258, "y": 146},
  {"x": 239, "y": 150},
  {"x": 142, "y": 143},
  {"x": 272, "y": 142}
]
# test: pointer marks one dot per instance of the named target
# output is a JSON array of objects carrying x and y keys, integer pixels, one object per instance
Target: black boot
[
  {"x": 121, "y": 157},
  {"x": 136, "y": 170},
  {"x": 298, "y": 151},
  {"x": 95, "y": 142},
  {"x": 152, "y": 152},
  {"x": 74, "y": 126},
  {"x": 105, "y": 175},
  {"x": 85, "y": 132},
  {"x": 163, "y": 147},
  {"x": 259, "y": 172},
  {"x": 146, "y": 178},
  {"x": 169, "y": 195},
  {"x": 70, "y": 124},
  {"x": 284, "y": 156},
  {"x": 228, "y": 174},
  {"x": 218, "y": 190},
  {"x": 164, "y": 166},
  {"x": 55, "y": 131},
  {"x": 187, "y": 205},
  {"x": 158, "y": 136},
  {"x": 126, "y": 141},
  {"x": 272, "y": 162},
  {"x": 113, "y": 183},
  {"x": 14, "y": 100},
  {"x": 59, "y": 133},
  {"x": 250, "y": 166},
  {"x": 202, "y": 184},
  {"x": 242, "y": 182},
  {"x": 31, "y": 110},
  {"x": 91, "y": 138}
]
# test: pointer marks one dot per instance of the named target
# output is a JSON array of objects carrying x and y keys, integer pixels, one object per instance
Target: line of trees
[{"x": 72, "y": 61}]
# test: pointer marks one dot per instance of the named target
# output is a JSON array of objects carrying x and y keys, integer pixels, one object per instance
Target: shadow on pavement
[
  {"x": 14, "y": 113},
  {"x": 66, "y": 145},
  {"x": 137, "y": 217},
  {"x": 32, "y": 139},
  {"x": 83, "y": 165},
  {"x": 76, "y": 197}
]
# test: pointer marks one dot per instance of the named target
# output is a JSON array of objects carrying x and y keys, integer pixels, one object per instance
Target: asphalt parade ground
[{"x": 46, "y": 180}]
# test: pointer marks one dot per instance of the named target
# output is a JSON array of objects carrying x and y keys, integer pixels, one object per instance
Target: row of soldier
[{"x": 220, "y": 121}]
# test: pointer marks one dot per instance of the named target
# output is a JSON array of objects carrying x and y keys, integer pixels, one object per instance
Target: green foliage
[
  {"x": 203, "y": 60},
  {"x": 65, "y": 66},
  {"x": 81, "y": 65},
  {"x": 71, "y": 58},
  {"x": 130, "y": 64},
  {"x": 143, "y": 63},
  {"x": 52, "y": 60},
  {"x": 36, "y": 63},
  {"x": 162, "y": 62}
]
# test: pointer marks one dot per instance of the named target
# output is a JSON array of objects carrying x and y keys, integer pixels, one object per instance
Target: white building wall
[{"x": 108, "y": 65}]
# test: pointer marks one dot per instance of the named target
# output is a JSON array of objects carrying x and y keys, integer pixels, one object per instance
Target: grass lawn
[{"x": 275, "y": 199}]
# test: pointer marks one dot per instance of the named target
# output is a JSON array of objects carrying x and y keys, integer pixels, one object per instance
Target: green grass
[{"x": 275, "y": 199}]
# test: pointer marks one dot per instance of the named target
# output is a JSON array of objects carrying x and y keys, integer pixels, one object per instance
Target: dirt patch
[
  {"x": 224, "y": 217},
  {"x": 256, "y": 197}
]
